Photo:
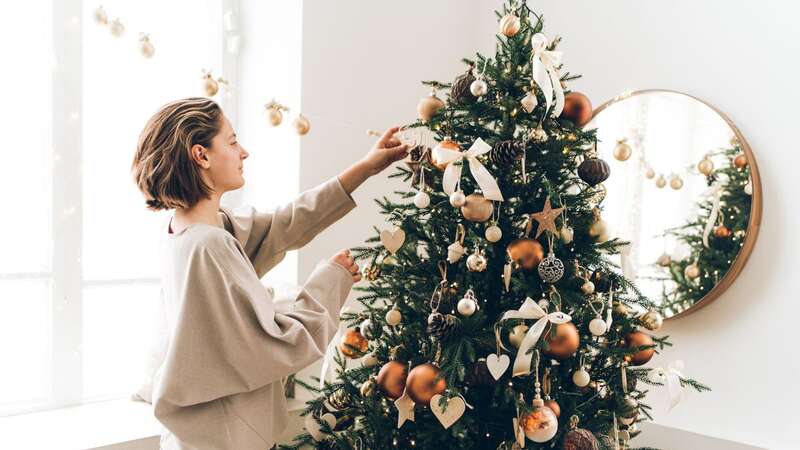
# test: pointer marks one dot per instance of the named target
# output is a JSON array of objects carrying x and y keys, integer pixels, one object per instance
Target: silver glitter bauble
[{"x": 551, "y": 269}]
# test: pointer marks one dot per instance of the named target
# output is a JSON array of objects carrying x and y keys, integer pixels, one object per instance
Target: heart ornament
[
  {"x": 497, "y": 365},
  {"x": 449, "y": 415},
  {"x": 393, "y": 239}
]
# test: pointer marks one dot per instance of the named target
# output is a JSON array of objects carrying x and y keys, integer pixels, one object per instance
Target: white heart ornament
[
  {"x": 455, "y": 409},
  {"x": 497, "y": 365},
  {"x": 393, "y": 239},
  {"x": 315, "y": 429}
]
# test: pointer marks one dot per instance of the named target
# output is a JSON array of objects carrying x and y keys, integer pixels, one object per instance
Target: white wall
[{"x": 361, "y": 65}]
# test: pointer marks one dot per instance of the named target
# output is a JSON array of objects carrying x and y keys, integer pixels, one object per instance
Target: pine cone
[
  {"x": 506, "y": 153},
  {"x": 460, "y": 92},
  {"x": 440, "y": 325}
]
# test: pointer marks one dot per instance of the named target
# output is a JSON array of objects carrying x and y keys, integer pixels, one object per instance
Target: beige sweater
[{"x": 229, "y": 345}]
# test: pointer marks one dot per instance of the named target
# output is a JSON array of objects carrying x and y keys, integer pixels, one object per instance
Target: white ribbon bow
[
  {"x": 628, "y": 270},
  {"x": 671, "y": 376},
  {"x": 715, "y": 193},
  {"x": 531, "y": 310},
  {"x": 544, "y": 68},
  {"x": 452, "y": 174}
]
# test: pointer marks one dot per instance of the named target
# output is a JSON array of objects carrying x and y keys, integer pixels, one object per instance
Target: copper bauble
[
  {"x": 422, "y": 383},
  {"x": 577, "y": 108},
  {"x": 639, "y": 339},
  {"x": 565, "y": 343},
  {"x": 740, "y": 161},
  {"x": 429, "y": 106},
  {"x": 722, "y": 231},
  {"x": 448, "y": 145},
  {"x": 353, "y": 343},
  {"x": 392, "y": 379},
  {"x": 477, "y": 208},
  {"x": 526, "y": 253},
  {"x": 552, "y": 404},
  {"x": 580, "y": 439}
]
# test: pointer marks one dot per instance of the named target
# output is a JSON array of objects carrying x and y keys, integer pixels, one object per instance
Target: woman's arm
[{"x": 386, "y": 151}]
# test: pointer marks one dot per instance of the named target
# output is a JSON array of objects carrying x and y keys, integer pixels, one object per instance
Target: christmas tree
[
  {"x": 494, "y": 318},
  {"x": 716, "y": 235}
]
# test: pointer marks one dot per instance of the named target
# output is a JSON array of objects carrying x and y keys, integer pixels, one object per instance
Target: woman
[{"x": 229, "y": 345}]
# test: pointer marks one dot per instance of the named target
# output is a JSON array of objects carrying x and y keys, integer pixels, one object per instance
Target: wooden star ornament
[
  {"x": 405, "y": 409},
  {"x": 547, "y": 218}
]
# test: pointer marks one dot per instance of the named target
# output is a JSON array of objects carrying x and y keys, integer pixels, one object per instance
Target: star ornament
[
  {"x": 547, "y": 218},
  {"x": 405, "y": 409}
]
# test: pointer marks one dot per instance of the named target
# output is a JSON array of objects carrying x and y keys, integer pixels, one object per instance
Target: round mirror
[{"x": 684, "y": 191}]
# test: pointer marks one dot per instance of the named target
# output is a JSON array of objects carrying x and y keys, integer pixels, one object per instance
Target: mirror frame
[{"x": 753, "y": 224}]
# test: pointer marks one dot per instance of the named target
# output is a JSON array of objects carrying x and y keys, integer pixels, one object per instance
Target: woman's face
[{"x": 226, "y": 157}]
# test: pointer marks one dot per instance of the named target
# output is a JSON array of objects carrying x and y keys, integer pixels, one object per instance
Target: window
[{"x": 79, "y": 268}]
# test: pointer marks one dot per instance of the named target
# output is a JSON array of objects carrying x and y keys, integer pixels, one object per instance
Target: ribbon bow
[
  {"x": 715, "y": 193},
  {"x": 544, "y": 70},
  {"x": 452, "y": 174},
  {"x": 531, "y": 310},
  {"x": 671, "y": 376}
]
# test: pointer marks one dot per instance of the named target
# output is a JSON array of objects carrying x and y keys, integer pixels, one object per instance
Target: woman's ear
[{"x": 199, "y": 156}]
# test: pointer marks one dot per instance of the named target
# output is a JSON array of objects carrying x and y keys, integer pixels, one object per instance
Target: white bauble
[
  {"x": 587, "y": 287},
  {"x": 581, "y": 378},
  {"x": 369, "y": 360},
  {"x": 748, "y": 188},
  {"x": 457, "y": 199},
  {"x": 467, "y": 307},
  {"x": 422, "y": 200},
  {"x": 493, "y": 233},
  {"x": 598, "y": 327},
  {"x": 393, "y": 317},
  {"x": 479, "y": 88}
]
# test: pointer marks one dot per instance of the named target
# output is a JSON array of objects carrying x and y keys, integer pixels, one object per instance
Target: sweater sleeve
[
  {"x": 229, "y": 338},
  {"x": 267, "y": 236}
]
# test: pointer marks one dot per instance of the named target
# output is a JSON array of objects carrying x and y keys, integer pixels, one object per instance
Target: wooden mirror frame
[{"x": 753, "y": 224}]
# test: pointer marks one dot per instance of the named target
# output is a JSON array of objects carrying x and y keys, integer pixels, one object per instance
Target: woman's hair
[{"x": 162, "y": 167}]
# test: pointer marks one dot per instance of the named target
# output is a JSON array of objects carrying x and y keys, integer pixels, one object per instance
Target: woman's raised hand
[{"x": 344, "y": 259}]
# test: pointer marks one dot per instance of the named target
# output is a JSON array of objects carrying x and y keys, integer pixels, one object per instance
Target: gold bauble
[
  {"x": 740, "y": 161},
  {"x": 649, "y": 173},
  {"x": 526, "y": 253},
  {"x": 392, "y": 379},
  {"x": 652, "y": 320},
  {"x": 423, "y": 382},
  {"x": 301, "y": 125},
  {"x": 509, "y": 25},
  {"x": 517, "y": 334},
  {"x": 448, "y": 145},
  {"x": 622, "y": 151},
  {"x": 661, "y": 181},
  {"x": 639, "y": 339},
  {"x": 210, "y": 85},
  {"x": 116, "y": 28},
  {"x": 146, "y": 47},
  {"x": 599, "y": 230},
  {"x": 705, "y": 166},
  {"x": 691, "y": 271},
  {"x": 368, "y": 388},
  {"x": 565, "y": 343},
  {"x": 664, "y": 260},
  {"x": 477, "y": 208},
  {"x": 620, "y": 309},
  {"x": 429, "y": 106},
  {"x": 275, "y": 116},
  {"x": 675, "y": 182},
  {"x": 353, "y": 343}
]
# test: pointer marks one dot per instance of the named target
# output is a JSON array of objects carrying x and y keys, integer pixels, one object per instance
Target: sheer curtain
[{"x": 78, "y": 268}]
